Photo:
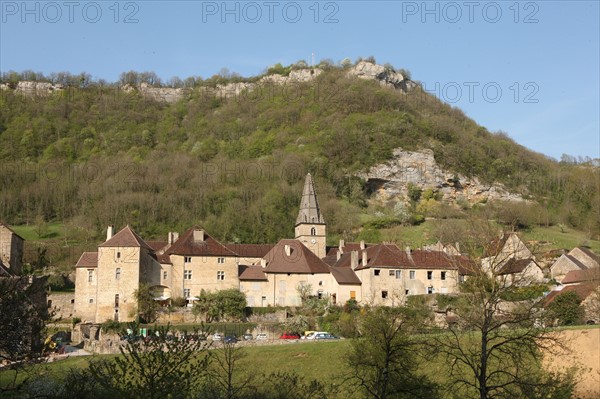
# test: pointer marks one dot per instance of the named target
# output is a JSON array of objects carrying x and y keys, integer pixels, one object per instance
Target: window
[
  {"x": 187, "y": 259},
  {"x": 187, "y": 274},
  {"x": 461, "y": 278},
  {"x": 91, "y": 300},
  {"x": 406, "y": 292},
  {"x": 353, "y": 295},
  {"x": 118, "y": 273},
  {"x": 220, "y": 275},
  {"x": 165, "y": 275},
  {"x": 320, "y": 283},
  {"x": 118, "y": 255},
  {"x": 49, "y": 303},
  {"x": 313, "y": 231},
  {"x": 220, "y": 260},
  {"x": 186, "y": 293},
  {"x": 376, "y": 272},
  {"x": 443, "y": 275},
  {"x": 72, "y": 301},
  {"x": 430, "y": 290},
  {"x": 412, "y": 275},
  {"x": 429, "y": 275},
  {"x": 384, "y": 294},
  {"x": 90, "y": 276},
  {"x": 392, "y": 272},
  {"x": 398, "y": 274},
  {"x": 116, "y": 300}
]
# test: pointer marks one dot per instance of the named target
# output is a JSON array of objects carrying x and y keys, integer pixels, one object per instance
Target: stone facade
[{"x": 11, "y": 250}]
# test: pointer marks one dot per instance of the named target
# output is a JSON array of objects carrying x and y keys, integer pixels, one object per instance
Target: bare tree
[{"x": 495, "y": 349}]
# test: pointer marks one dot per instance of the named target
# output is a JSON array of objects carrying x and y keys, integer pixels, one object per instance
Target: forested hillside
[{"x": 95, "y": 155}]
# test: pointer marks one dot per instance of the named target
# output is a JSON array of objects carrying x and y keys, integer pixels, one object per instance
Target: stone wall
[{"x": 61, "y": 305}]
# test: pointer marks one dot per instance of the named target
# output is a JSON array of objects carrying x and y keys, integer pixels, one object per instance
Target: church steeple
[
  {"x": 309, "y": 205},
  {"x": 310, "y": 224}
]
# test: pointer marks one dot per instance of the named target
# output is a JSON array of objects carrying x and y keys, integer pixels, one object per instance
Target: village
[{"x": 272, "y": 275}]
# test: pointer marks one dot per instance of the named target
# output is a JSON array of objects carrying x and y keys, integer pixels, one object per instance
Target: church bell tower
[{"x": 310, "y": 225}]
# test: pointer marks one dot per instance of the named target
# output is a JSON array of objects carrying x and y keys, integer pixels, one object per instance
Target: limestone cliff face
[
  {"x": 362, "y": 70},
  {"x": 389, "y": 181}
]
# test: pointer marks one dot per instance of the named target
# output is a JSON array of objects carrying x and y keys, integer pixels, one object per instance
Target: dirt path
[{"x": 584, "y": 351}]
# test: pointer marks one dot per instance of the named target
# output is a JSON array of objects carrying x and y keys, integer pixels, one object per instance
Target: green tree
[
  {"x": 147, "y": 306},
  {"x": 160, "y": 366},
  {"x": 385, "y": 360},
  {"x": 566, "y": 310}
]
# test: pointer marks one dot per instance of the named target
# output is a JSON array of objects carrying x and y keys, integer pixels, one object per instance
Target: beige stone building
[
  {"x": 268, "y": 274},
  {"x": 577, "y": 259},
  {"x": 11, "y": 251}
]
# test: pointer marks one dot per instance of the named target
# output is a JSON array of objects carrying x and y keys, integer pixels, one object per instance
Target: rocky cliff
[
  {"x": 362, "y": 70},
  {"x": 390, "y": 180}
]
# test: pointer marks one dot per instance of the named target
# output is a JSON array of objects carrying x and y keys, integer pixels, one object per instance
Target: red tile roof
[
  {"x": 251, "y": 273},
  {"x": 389, "y": 255},
  {"x": 578, "y": 276},
  {"x": 164, "y": 259},
  {"x": 349, "y": 246},
  {"x": 186, "y": 245},
  {"x": 88, "y": 259},
  {"x": 300, "y": 261},
  {"x": 126, "y": 238},
  {"x": 250, "y": 250},
  {"x": 157, "y": 245}
]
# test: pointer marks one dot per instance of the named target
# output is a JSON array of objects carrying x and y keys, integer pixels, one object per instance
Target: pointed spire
[{"x": 309, "y": 206}]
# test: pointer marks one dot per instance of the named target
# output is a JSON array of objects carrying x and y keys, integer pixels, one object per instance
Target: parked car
[
  {"x": 261, "y": 336},
  {"x": 319, "y": 336},
  {"x": 287, "y": 335},
  {"x": 230, "y": 339},
  {"x": 313, "y": 334},
  {"x": 248, "y": 337},
  {"x": 217, "y": 337},
  {"x": 307, "y": 334}
]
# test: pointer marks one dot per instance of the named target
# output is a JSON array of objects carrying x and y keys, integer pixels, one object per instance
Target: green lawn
[{"x": 50, "y": 231}]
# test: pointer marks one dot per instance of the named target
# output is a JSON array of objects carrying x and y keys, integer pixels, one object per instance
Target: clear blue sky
[{"x": 543, "y": 56}]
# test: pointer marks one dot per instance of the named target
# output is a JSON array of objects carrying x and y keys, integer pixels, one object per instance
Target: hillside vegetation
[{"x": 95, "y": 155}]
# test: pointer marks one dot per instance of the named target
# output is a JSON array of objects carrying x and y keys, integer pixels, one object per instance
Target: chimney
[
  {"x": 408, "y": 252},
  {"x": 263, "y": 262},
  {"x": 354, "y": 259},
  {"x": 175, "y": 236},
  {"x": 341, "y": 247},
  {"x": 170, "y": 238},
  {"x": 288, "y": 250},
  {"x": 198, "y": 235},
  {"x": 364, "y": 258},
  {"x": 362, "y": 244},
  {"x": 457, "y": 246},
  {"x": 338, "y": 255},
  {"x": 110, "y": 231}
]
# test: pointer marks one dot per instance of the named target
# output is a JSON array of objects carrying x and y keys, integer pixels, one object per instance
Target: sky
[{"x": 528, "y": 68}]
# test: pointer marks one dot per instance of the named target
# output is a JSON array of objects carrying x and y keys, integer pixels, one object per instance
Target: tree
[
  {"x": 223, "y": 372},
  {"x": 224, "y": 304},
  {"x": 147, "y": 306},
  {"x": 385, "y": 360},
  {"x": 159, "y": 366},
  {"x": 495, "y": 349},
  {"x": 566, "y": 310},
  {"x": 23, "y": 315}
]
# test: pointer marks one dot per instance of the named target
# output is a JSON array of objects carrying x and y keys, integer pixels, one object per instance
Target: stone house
[
  {"x": 577, "y": 259},
  {"x": 11, "y": 250}
]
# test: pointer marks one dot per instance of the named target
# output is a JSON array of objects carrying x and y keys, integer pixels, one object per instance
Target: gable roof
[
  {"x": 389, "y": 255},
  {"x": 187, "y": 245},
  {"x": 348, "y": 247},
  {"x": 576, "y": 261},
  {"x": 251, "y": 273},
  {"x": 496, "y": 245},
  {"x": 126, "y": 238},
  {"x": 578, "y": 276},
  {"x": 88, "y": 259},
  {"x": 513, "y": 266},
  {"x": 164, "y": 259},
  {"x": 250, "y": 250},
  {"x": 11, "y": 230},
  {"x": 157, "y": 245},
  {"x": 589, "y": 253},
  {"x": 345, "y": 275},
  {"x": 300, "y": 261}
]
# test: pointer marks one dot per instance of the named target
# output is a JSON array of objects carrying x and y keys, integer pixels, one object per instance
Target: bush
[
  {"x": 178, "y": 302},
  {"x": 566, "y": 310}
]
